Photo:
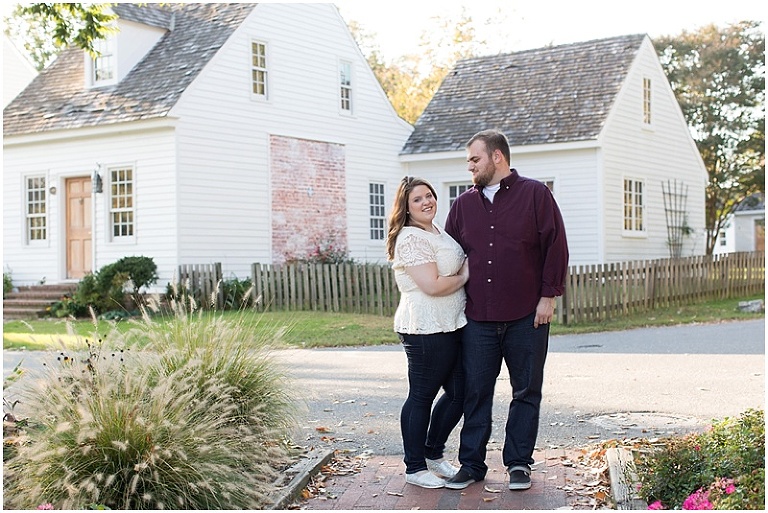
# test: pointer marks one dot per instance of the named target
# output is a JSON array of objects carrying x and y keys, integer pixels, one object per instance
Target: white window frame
[
  {"x": 346, "y": 96},
  {"x": 550, "y": 183},
  {"x": 647, "y": 102},
  {"x": 455, "y": 190},
  {"x": 261, "y": 68},
  {"x": 122, "y": 216},
  {"x": 377, "y": 211},
  {"x": 106, "y": 60},
  {"x": 37, "y": 196},
  {"x": 633, "y": 207}
]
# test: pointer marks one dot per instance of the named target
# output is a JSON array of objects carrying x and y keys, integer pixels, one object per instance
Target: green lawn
[{"x": 320, "y": 329}]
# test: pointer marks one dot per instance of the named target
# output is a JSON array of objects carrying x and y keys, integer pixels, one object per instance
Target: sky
[{"x": 526, "y": 24}]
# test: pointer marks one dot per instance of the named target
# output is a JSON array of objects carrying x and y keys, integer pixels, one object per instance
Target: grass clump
[
  {"x": 723, "y": 468},
  {"x": 195, "y": 420}
]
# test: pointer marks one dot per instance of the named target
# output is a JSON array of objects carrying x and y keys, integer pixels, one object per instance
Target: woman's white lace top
[{"x": 419, "y": 313}]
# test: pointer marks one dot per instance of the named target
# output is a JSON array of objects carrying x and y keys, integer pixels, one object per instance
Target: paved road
[{"x": 645, "y": 382}]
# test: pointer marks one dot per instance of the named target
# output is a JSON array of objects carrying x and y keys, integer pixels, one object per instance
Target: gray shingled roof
[
  {"x": 58, "y": 99},
  {"x": 754, "y": 202},
  {"x": 547, "y": 95}
]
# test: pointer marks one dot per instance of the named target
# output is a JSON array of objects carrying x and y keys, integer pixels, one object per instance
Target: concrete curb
[
  {"x": 303, "y": 470},
  {"x": 623, "y": 479}
]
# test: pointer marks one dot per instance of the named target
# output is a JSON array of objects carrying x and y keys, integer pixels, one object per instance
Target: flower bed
[{"x": 722, "y": 468}]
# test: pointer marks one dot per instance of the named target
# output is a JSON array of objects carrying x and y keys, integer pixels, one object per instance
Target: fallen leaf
[
  {"x": 322, "y": 429},
  {"x": 491, "y": 490},
  {"x": 489, "y": 499},
  {"x": 396, "y": 494}
]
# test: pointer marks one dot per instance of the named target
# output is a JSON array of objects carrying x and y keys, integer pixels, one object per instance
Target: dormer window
[{"x": 105, "y": 62}]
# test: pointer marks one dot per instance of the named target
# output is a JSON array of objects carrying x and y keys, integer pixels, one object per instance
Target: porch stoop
[{"x": 31, "y": 302}]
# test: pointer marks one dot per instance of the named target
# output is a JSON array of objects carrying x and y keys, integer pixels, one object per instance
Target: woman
[{"x": 430, "y": 271}]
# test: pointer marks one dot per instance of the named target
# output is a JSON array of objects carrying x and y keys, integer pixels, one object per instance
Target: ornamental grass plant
[
  {"x": 196, "y": 419},
  {"x": 722, "y": 468}
]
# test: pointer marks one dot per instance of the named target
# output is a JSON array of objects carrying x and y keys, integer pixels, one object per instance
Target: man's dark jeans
[
  {"x": 524, "y": 350},
  {"x": 434, "y": 361}
]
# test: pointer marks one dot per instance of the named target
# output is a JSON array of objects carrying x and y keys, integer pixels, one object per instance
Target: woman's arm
[{"x": 431, "y": 283}]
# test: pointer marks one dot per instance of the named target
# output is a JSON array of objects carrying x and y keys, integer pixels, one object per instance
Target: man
[{"x": 513, "y": 234}]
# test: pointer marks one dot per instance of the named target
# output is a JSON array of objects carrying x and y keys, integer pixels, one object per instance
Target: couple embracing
[{"x": 476, "y": 293}]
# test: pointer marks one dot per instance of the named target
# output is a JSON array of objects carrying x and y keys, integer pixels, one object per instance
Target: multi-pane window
[
  {"x": 454, "y": 191},
  {"x": 376, "y": 203},
  {"x": 550, "y": 183},
  {"x": 345, "y": 83},
  {"x": 121, "y": 211},
  {"x": 633, "y": 205},
  {"x": 647, "y": 101},
  {"x": 36, "y": 215},
  {"x": 104, "y": 63},
  {"x": 723, "y": 240},
  {"x": 259, "y": 68}
]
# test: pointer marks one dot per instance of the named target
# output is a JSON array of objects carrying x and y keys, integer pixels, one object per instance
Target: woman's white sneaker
[
  {"x": 425, "y": 479},
  {"x": 442, "y": 468}
]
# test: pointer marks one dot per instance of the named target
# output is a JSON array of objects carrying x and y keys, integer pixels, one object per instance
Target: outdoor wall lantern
[{"x": 96, "y": 184}]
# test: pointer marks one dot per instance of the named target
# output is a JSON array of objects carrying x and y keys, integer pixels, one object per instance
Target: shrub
[
  {"x": 7, "y": 283},
  {"x": 104, "y": 290},
  {"x": 723, "y": 468},
  {"x": 188, "y": 423},
  {"x": 237, "y": 293}
]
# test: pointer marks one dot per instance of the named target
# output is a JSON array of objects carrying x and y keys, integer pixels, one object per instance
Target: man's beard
[{"x": 484, "y": 177}]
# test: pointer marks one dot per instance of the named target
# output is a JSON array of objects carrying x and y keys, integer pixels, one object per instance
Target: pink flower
[
  {"x": 698, "y": 500},
  {"x": 656, "y": 505},
  {"x": 730, "y": 489},
  {"x": 47, "y": 505}
]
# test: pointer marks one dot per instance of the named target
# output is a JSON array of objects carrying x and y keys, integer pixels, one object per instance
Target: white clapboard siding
[
  {"x": 665, "y": 151},
  {"x": 224, "y": 134}
]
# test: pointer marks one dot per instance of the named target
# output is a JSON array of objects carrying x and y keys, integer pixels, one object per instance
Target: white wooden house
[
  {"x": 597, "y": 121},
  {"x": 744, "y": 229},
  {"x": 18, "y": 72},
  {"x": 233, "y": 133}
]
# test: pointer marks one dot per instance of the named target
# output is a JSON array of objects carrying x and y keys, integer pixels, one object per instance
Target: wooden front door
[
  {"x": 760, "y": 235},
  {"x": 78, "y": 226}
]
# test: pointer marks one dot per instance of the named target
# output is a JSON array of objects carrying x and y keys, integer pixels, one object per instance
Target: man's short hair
[{"x": 494, "y": 140}]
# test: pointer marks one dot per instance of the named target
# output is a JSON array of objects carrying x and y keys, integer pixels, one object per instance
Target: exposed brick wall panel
[{"x": 309, "y": 204}]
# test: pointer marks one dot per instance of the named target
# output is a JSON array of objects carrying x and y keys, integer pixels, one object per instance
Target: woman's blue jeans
[
  {"x": 524, "y": 350},
  {"x": 434, "y": 362}
]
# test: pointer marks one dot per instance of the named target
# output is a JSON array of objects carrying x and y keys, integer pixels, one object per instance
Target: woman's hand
[{"x": 464, "y": 271}]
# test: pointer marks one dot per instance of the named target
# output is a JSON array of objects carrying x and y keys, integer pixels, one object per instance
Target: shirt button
[
  {"x": 489, "y": 261},
  {"x": 491, "y": 227},
  {"x": 491, "y": 244},
  {"x": 489, "y": 280}
]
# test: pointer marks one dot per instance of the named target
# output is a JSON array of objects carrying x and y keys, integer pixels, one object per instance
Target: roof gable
[
  {"x": 59, "y": 99},
  {"x": 547, "y": 95}
]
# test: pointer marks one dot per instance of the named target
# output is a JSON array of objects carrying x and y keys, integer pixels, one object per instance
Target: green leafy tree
[
  {"x": 718, "y": 76},
  {"x": 45, "y": 29}
]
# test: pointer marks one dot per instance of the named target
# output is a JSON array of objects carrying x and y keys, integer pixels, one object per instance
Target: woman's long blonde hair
[{"x": 398, "y": 218}]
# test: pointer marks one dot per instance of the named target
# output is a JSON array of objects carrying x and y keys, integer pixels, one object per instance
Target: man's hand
[{"x": 545, "y": 310}]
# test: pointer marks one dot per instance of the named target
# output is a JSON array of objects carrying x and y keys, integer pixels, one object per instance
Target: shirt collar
[{"x": 505, "y": 182}]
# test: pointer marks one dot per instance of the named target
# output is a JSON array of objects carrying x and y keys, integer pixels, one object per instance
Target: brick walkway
[{"x": 381, "y": 485}]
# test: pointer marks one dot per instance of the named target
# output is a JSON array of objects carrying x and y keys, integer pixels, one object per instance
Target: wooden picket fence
[
  {"x": 605, "y": 291},
  {"x": 201, "y": 282},
  {"x": 355, "y": 288},
  {"x": 592, "y": 292}
]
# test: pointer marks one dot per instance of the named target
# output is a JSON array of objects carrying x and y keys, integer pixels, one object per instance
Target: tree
[
  {"x": 46, "y": 29},
  {"x": 718, "y": 77},
  {"x": 411, "y": 81}
]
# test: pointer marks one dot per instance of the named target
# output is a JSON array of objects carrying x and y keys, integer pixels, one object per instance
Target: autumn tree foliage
[{"x": 718, "y": 77}]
